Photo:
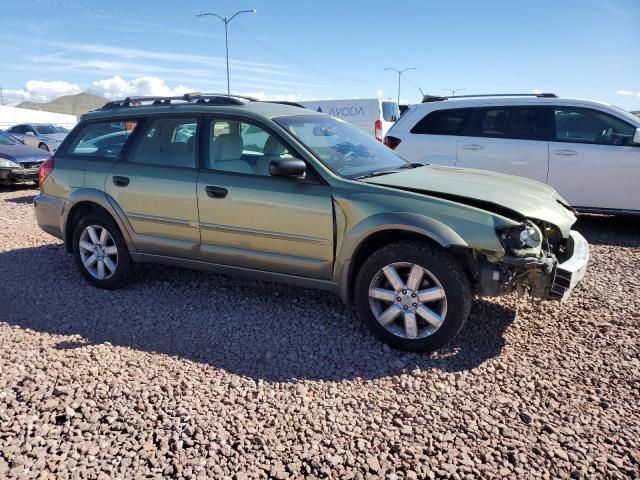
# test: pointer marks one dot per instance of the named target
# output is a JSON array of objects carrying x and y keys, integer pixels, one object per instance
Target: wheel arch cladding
[
  {"x": 91, "y": 201},
  {"x": 377, "y": 231}
]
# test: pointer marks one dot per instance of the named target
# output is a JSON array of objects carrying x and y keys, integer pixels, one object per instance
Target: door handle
[
  {"x": 216, "y": 192},
  {"x": 472, "y": 146},
  {"x": 119, "y": 181},
  {"x": 565, "y": 153}
]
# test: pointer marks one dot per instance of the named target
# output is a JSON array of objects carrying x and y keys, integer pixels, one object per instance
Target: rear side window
[
  {"x": 583, "y": 125},
  {"x": 520, "y": 123},
  {"x": 390, "y": 111},
  {"x": 443, "y": 122},
  {"x": 103, "y": 139},
  {"x": 168, "y": 142}
]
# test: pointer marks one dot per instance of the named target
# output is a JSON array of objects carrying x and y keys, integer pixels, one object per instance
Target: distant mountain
[{"x": 70, "y": 104}]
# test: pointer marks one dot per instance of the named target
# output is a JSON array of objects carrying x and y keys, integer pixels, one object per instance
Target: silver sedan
[{"x": 45, "y": 136}]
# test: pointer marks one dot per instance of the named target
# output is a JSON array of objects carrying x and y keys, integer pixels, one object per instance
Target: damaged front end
[{"x": 538, "y": 262}]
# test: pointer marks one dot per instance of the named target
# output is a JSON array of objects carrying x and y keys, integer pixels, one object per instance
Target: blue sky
[{"x": 328, "y": 49}]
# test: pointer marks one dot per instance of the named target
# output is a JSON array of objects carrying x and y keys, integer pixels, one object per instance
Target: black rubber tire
[
  {"x": 443, "y": 266},
  {"x": 43, "y": 146},
  {"x": 124, "y": 270}
]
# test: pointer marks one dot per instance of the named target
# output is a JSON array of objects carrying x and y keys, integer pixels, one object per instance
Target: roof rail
[
  {"x": 202, "y": 98},
  {"x": 291, "y": 104},
  {"x": 199, "y": 95},
  {"x": 434, "y": 98}
]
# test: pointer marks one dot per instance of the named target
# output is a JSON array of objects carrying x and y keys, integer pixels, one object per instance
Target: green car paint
[{"x": 303, "y": 231}]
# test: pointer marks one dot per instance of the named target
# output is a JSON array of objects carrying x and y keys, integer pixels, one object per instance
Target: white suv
[{"x": 588, "y": 151}]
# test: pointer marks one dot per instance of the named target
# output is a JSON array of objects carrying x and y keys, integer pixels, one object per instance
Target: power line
[
  {"x": 103, "y": 11},
  {"x": 190, "y": 18},
  {"x": 413, "y": 84},
  {"x": 295, "y": 62}
]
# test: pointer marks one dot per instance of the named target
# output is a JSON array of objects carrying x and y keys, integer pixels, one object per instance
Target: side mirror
[
  {"x": 287, "y": 167},
  {"x": 30, "y": 134},
  {"x": 636, "y": 137}
]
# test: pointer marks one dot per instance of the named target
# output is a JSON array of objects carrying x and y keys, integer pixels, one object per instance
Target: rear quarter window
[
  {"x": 443, "y": 122},
  {"x": 102, "y": 140}
]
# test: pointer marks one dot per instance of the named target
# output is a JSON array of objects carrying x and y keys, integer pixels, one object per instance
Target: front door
[
  {"x": 252, "y": 220},
  {"x": 155, "y": 186},
  {"x": 593, "y": 161},
  {"x": 509, "y": 140}
]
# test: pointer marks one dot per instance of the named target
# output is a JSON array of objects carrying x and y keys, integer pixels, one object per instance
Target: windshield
[
  {"x": 50, "y": 129},
  {"x": 343, "y": 148},
  {"x": 6, "y": 139}
]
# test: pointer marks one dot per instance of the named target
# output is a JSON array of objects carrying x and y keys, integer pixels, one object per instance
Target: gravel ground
[{"x": 190, "y": 375}]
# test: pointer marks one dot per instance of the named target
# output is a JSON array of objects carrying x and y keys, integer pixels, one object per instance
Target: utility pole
[
  {"x": 453, "y": 90},
  {"x": 1, "y": 96},
  {"x": 226, "y": 21},
  {"x": 399, "y": 72}
]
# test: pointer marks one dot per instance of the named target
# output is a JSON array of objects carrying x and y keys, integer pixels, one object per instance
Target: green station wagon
[{"x": 277, "y": 192}]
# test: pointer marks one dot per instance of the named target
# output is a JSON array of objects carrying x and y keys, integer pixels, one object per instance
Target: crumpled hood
[
  {"x": 507, "y": 195},
  {"x": 20, "y": 153}
]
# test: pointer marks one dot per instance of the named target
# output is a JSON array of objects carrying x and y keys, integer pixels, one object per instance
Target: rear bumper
[
  {"x": 48, "y": 210},
  {"x": 570, "y": 272}
]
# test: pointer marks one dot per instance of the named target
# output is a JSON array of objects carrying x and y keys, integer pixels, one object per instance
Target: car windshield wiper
[
  {"x": 376, "y": 174},
  {"x": 411, "y": 165},
  {"x": 387, "y": 172}
]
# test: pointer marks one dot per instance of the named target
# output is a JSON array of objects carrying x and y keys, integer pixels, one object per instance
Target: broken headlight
[{"x": 522, "y": 240}]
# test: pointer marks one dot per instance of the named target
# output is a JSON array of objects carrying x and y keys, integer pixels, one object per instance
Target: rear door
[
  {"x": 511, "y": 140},
  {"x": 434, "y": 137},
  {"x": 252, "y": 220},
  {"x": 155, "y": 186},
  {"x": 593, "y": 161}
]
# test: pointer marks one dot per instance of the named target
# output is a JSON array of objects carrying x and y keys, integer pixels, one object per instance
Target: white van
[{"x": 373, "y": 115}]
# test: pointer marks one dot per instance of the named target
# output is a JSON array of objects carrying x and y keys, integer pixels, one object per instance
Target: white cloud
[
  {"x": 133, "y": 53},
  {"x": 380, "y": 93},
  {"x": 118, "y": 87},
  {"x": 41, "y": 91},
  {"x": 625, "y": 93},
  {"x": 536, "y": 91}
]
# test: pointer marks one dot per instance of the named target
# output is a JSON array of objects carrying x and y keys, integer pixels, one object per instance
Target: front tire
[
  {"x": 413, "y": 296},
  {"x": 101, "y": 253},
  {"x": 43, "y": 146}
]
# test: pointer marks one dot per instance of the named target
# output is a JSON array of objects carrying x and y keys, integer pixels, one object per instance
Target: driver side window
[
  {"x": 583, "y": 125},
  {"x": 242, "y": 148}
]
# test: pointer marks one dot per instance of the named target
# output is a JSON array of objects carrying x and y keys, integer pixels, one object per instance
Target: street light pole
[
  {"x": 453, "y": 90},
  {"x": 226, "y": 21},
  {"x": 399, "y": 72}
]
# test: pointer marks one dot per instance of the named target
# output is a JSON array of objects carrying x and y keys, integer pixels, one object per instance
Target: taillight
[
  {"x": 378, "y": 129},
  {"x": 45, "y": 170},
  {"x": 391, "y": 142}
]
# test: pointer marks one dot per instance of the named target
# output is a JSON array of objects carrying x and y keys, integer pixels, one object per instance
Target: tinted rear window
[
  {"x": 390, "y": 111},
  {"x": 443, "y": 122},
  {"x": 102, "y": 139},
  {"x": 520, "y": 123}
]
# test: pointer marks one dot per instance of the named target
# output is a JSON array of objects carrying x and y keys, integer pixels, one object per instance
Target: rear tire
[
  {"x": 101, "y": 253},
  {"x": 413, "y": 296}
]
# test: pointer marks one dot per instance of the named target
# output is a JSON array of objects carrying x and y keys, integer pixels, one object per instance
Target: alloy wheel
[
  {"x": 407, "y": 300},
  {"x": 98, "y": 252}
]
